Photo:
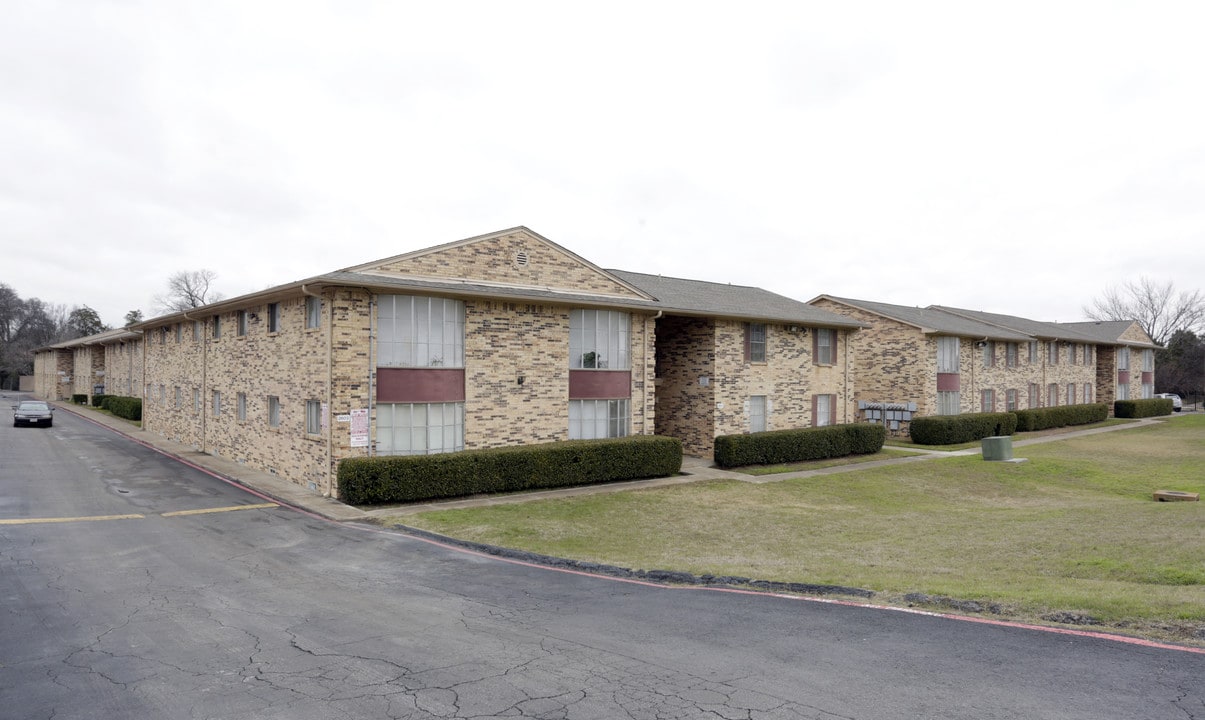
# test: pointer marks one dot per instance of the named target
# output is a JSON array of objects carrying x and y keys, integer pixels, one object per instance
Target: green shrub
[
  {"x": 98, "y": 400},
  {"x": 785, "y": 446},
  {"x": 955, "y": 429},
  {"x": 129, "y": 408},
  {"x": 79, "y": 399},
  {"x": 414, "y": 478},
  {"x": 1143, "y": 408},
  {"x": 1061, "y": 416}
]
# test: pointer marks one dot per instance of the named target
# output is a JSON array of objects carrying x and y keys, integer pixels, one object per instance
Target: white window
[
  {"x": 1087, "y": 392},
  {"x": 1123, "y": 359},
  {"x": 217, "y": 403},
  {"x": 825, "y": 404},
  {"x": 1070, "y": 393},
  {"x": 757, "y": 413},
  {"x": 217, "y": 326},
  {"x": 1089, "y": 353},
  {"x": 1148, "y": 360},
  {"x": 1052, "y": 352},
  {"x": 1071, "y": 350},
  {"x": 599, "y": 340},
  {"x": 826, "y": 346},
  {"x": 420, "y": 428},
  {"x": 987, "y": 401},
  {"x": 273, "y": 411},
  {"x": 241, "y": 328},
  {"x": 1052, "y": 395},
  {"x": 1148, "y": 391},
  {"x": 948, "y": 402},
  {"x": 196, "y": 400},
  {"x": 242, "y": 407},
  {"x": 947, "y": 356},
  {"x": 179, "y": 332},
  {"x": 273, "y": 317},
  {"x": 179, "y": 397},
  {"x": 1033, "y": 352},
  {"x": 313, "y": 417},
  {"x": 420, "y": 332},
  {"x": 592, "y": 419},
  {"x": 1010, "y": 400},
  {"x": 989, "y": 354},
  {"x": 196, "y": 331},
  {"x": 1010, "y": 354},
  {"x": 1123, "y": 391},
  {"x": 313, "y": 312}
]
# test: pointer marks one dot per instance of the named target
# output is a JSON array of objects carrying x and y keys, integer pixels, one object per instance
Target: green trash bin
[{"x": 998, "y": 448}]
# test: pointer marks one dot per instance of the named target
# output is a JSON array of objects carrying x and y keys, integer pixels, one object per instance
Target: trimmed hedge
[
  {"x": 783, "y": 446},
  {"x": 1061, "y": 416},
  {"x": 955, "y": 429},
  {"x": 414, "y": 478},
  {"x": 1143, "y": 408},
  {"x": 129, "y": 408},
  {"x": 78, "y": 399},
  {"x": 99, "y": 400}
]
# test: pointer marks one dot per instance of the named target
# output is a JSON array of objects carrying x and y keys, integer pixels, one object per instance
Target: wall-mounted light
[{"x": 519, "y": 379}]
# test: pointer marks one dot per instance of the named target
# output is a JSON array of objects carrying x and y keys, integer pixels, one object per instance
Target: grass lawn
[{"x": 1074, "y": 529}]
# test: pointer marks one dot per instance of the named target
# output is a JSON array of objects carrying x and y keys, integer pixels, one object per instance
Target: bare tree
[
  {"x": 186, "y": 290},
  {"x": 1158, "y": 308}
]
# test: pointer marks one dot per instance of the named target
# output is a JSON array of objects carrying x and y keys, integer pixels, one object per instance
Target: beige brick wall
[
  {"x": 48, "y": 383},
  {"x": 87, "y": 369},
  {"x": 291, "y": 364},
  {"x": 705, "y": 383},
  {"x": 493, "y": 260},
  {"x": 123, "y": 368}
]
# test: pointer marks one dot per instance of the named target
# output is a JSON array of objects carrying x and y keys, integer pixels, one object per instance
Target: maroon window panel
[
  {"x": 420, "y": 385},
  {"x": 600, "y": 384},
  {"x": 949, "y": 382}
]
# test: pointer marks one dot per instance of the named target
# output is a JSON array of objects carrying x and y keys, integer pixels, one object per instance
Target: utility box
[{"x": 998, "y": 448}]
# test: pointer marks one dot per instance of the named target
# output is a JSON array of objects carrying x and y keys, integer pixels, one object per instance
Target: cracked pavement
[{"x": 268, "y": 613}]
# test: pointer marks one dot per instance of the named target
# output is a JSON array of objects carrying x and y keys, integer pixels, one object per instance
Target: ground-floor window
[
  {"x": 1070, "y": 393},
  {"x": 1088, "y": 392},
  {"x": 1035, "y": 395},
  {"x": 1123, "y": 391},
  {"x": 987, "y": 401},
  {"x": 948, "y": 402},
  {"x": 757, "y": 413},
  {"x": 1052, "y": 395},
  {"x": 1148, "y": 391},
  {"x": 1010, "y": 400},
  {"x": 591, "y": 419},
  {"x": 313, "y": 417},
  {"x": 825, "y": 405},
  {"x": 419, "y": 428}
]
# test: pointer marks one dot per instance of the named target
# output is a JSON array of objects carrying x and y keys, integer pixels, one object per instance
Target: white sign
[
  {"x": 359, "y": 427},
  {"x": 343, "y": 418}
]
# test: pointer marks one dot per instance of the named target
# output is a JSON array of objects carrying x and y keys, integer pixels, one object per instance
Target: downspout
[
  {"x": 204, "y": 378},
  {"x": 330, "y": 402},
  {"x": 645, "y": 374},
  {"x": 372, "y": 369},
  {"x": 845, "y": 382}
]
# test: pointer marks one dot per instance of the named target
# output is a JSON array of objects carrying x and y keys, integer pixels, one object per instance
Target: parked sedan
[
  {"x": 1177, "y": 404},
  {"x": 33, "y": 412}
]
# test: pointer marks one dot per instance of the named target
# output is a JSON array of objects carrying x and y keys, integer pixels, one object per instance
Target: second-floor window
[
  {"x": 755, "y": 342},
  {"x": 826, "y": 346},
  {"x": 420, "y": 332},
  {"x": 599, "y": 340},
  {"x": 947, "y": 355}
]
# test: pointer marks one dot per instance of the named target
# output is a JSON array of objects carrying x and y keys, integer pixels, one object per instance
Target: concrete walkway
[{"x": 694, "y": 469}]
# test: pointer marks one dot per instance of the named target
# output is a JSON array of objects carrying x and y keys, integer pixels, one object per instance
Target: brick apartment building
[
  {"x": 502, "y": 339},
  {"x": 948, "y": 360}
]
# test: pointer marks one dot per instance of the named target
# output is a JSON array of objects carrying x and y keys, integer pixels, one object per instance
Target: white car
[{"x": 1177, "y": 405}]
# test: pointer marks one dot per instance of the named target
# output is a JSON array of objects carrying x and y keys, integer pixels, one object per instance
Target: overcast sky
[{"x": 1010, "y": 157}]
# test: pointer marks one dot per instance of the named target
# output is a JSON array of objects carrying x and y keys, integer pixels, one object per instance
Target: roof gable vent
[{"x": 521, "y": 258}]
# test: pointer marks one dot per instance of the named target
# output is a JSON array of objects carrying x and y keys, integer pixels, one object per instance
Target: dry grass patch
[{"x": 1075, "y": 529}]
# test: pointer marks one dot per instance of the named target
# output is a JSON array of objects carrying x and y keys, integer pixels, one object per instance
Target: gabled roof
[
  {"x": 1036, "y": 328},
  {"x": 933, "y": 321},
  {"x": 709, "y": 299},
  {"x": 1113, "y": 332},
  {"x": 637, "y": 291},
  {"x": 104, "y": 338}
]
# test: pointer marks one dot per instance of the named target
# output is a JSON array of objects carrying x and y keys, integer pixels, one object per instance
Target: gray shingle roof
[
  {"x": 1107, "y": 331},
  {"x": 936, "y": 321},
  {"x": 1036, "y": 328},
  {"x": 697, "y": 297}
]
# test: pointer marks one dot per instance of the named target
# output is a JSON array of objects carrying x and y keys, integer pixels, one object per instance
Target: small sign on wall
[{"x": 359, "y": 427}]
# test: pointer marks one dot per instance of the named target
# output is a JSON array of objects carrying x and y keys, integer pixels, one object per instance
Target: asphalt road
[{"x": 126, "y": 608}]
